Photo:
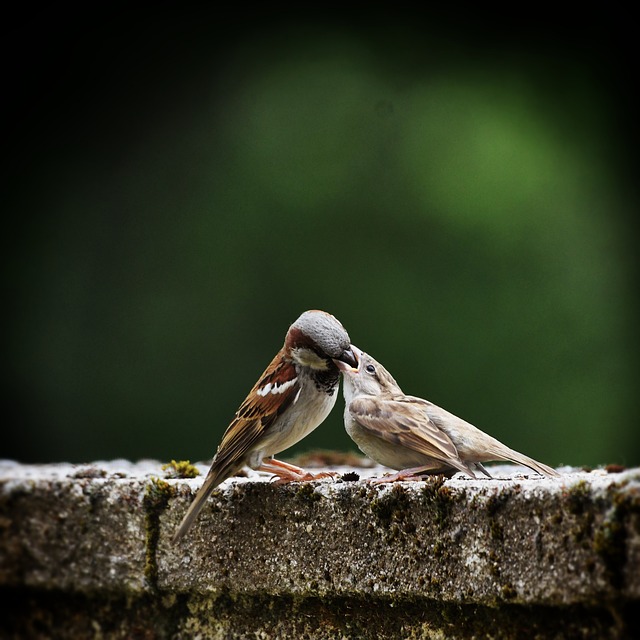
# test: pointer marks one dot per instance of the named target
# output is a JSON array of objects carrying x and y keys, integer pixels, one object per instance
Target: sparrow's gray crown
[{"x": 321, "y": 332}]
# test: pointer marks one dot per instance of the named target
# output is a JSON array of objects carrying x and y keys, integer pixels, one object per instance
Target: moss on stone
[
  {"x": 392, "y": 511},
  {"x": 381, "y": 618},
  {"x": 44, "y": 613},
  {"x": 180, "y": 469},
  {"x": 307, "y": 494},
  {"x": 496, "y": 502},
  {"x": 578, "y": 497},
  {"x": 508, "y": 591},
  {"x": 610, "y": 538},
  {"x": 578, "y": 502},
  {"x": 156, "y": 498},
  {"x": 439, "y": 499}
]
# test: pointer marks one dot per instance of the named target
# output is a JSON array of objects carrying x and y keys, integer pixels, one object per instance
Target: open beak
[{"x": 349, "y": 360}]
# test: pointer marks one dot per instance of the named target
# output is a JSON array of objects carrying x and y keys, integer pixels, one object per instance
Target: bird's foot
[
  {"x": 305, "y": 476},
  {"x": 284, "y": 472},
  {"x": 407, "y": 475}
]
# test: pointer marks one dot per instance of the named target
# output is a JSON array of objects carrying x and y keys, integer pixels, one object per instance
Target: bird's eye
[{"x": 370, "y": 368}]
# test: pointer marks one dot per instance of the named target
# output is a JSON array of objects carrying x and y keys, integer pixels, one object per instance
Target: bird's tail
[
  {"x": 215, "y": 477},
  {"x": 509, "y": 455}
]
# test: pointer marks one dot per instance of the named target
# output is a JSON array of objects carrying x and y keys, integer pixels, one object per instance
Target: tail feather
[
  {"x": 213, "y": 479},
  {"x": 510, "y": 455}
]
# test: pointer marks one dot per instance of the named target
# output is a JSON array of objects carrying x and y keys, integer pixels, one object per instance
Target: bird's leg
[
  {"x": 414, "y": 474},
  {"x": 482, "y": 469},
  {"x": 286, "y": 472},
  {"x": 406, "y": 475}
]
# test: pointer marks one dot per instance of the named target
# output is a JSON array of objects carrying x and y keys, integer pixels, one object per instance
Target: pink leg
[
  {"x": 406, "y": 475},
  {"x": 286, "y": 472}
]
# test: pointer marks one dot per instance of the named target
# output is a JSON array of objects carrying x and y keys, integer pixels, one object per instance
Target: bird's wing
[
  {"x": 403, "y": 420},
  {"x": 490, "y": 449},
  {"x": 276, "y": 390}
]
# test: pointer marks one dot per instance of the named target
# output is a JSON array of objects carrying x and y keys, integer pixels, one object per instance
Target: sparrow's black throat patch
[{"x": 327, "y": 380}]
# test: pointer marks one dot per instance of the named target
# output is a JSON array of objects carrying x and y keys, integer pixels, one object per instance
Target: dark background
[{"x": 458, "y": 189}]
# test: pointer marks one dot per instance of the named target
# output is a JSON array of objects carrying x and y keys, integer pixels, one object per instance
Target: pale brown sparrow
[
  {"x": 413, "y": 435},
  {"x": 292, "y": 397}
]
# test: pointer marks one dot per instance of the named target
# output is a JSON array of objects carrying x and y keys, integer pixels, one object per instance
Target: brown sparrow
[
  {"x": 413, "y": 435},
  {"x": 292, "y": 397}
]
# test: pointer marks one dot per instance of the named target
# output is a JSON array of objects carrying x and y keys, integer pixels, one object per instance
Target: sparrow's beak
[{"x": 349, "y": 360}]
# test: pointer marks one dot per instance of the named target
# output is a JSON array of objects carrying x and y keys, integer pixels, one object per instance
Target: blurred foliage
[{"x": 183, "y": 189}]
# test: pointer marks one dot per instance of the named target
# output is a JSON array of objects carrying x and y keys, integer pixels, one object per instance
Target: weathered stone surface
[
  {"x": 73, "y": 527},
  {"x": 518, "y": 556}
]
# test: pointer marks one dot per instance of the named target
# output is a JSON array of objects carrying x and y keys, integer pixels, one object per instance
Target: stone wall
[{"x": 85, "y": 552}]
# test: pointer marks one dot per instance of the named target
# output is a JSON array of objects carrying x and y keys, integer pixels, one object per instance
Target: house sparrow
[
  {"x": 413, "y": 435},
  {"x": 292, "y": 397}
]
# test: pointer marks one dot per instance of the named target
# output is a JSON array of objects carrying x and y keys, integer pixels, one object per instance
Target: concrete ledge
[{"x": 515, "y": 557}]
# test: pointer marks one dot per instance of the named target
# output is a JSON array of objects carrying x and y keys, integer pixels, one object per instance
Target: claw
[
  {"x": 285, "y": 472},
  {"x": 285, "y": 478},
  {"x": 401, "y": 476}
]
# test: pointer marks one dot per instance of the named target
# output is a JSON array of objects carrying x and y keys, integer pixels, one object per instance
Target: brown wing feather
[
  {"x": 402, "y": 421},
  {"x": 254, "y": 417}
]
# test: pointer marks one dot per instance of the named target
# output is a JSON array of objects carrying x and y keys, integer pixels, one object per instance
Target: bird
[
  {"x": 412, "y": 435},
  {"x": 291, "y": 398}
]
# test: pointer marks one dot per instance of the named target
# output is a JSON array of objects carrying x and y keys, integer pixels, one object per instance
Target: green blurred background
[{"x": 458, "y": 191}]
